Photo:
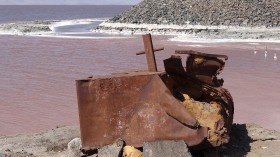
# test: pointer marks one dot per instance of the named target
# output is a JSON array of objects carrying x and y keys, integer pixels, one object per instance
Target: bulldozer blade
[{"x": 136, "y": 107}]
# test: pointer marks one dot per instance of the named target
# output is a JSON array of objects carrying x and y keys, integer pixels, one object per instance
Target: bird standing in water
[
  {"x": 265, "y": 52},
  {"x": 255, "y": 51}
]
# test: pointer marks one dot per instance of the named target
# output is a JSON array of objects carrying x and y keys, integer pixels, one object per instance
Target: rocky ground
[
  {"x": 249, "y": 13},
  {"x": 211, "y": 19},
  {"x": 247, "y": 140},
  {"x": 51, "y": 143},
  {"x": 22, "y": 28},
  {"x": 250, "y": 140}
]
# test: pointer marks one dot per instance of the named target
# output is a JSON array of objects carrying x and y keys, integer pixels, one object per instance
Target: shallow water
[
  {"x": 37, "y": 81},
  {"x": 38, "y": 78}
]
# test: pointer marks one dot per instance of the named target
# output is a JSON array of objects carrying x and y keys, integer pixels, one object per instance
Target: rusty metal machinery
[
  {"x": 179, "y": 103},
  {"x": 202, "y": 94}
]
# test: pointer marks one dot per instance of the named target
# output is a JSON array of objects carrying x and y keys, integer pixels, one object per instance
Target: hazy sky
[{"x": 68, "y": 2}]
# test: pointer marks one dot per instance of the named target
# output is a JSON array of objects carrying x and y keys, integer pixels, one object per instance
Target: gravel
[
  {"x": 248, "y": 13},
  {"x": 200, "y": 19}
]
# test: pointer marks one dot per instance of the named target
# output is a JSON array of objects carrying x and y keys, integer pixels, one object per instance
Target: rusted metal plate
[{"x": 134, "y": 107}]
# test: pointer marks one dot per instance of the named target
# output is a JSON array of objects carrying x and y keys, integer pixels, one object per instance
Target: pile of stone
[
  {"x": 247, "y": 13},
  {"x": 117, "y": 149}
]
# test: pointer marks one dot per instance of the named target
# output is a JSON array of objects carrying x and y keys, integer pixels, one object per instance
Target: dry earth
[
  {"x": 51, "y": 143},
  {"x": 247, "y": 140}
]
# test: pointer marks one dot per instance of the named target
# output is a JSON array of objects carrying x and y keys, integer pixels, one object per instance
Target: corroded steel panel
[{"x": 134, "y": 107}]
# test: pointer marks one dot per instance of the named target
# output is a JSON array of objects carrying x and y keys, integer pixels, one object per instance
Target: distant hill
[{"x": 204, "y": 12}]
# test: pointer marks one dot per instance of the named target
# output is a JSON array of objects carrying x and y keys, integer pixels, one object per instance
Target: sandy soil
[
  {"x": 247, "y": 140},
  {"x": 51, "y": 143}
]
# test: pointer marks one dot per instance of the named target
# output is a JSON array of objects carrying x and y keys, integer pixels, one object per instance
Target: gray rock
[
  {"x": 166, "y": 149},
  {"x": 113, "y": 150},
  {"x": 207, "y": 12},
  {"x": 74, "y": 148}
]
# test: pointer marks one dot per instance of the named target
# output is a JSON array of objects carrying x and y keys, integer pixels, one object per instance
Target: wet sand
[{"x": 38, "y": 76}]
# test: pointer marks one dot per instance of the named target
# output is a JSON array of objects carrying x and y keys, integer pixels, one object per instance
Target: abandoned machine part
[
  {"x": 179, "y": 103},
  {"x": 203, "y": 96}
]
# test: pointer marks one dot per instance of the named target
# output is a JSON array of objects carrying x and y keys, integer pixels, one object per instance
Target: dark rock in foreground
[
  {"x": 166, "y": 149},
  {"x": 112, "y": 150},
  {"x": 204, "y": 12}
]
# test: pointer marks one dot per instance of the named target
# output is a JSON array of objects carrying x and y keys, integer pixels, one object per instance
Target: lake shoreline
[{"x": 179, "y": 33}]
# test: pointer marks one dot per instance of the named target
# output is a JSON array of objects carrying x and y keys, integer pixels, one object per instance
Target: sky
[{"x": 69, "y": 2}]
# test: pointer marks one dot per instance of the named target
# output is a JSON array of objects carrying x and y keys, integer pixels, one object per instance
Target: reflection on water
[
  {"x": 267, "y": 53},
  {"x": 37, "y": 81}
]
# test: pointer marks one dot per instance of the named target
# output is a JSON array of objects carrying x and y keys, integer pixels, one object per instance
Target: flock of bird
[{"x": 265, "y": 53}]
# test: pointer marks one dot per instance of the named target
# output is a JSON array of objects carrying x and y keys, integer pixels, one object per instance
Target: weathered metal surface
[
  {"x": 149, "y": 51},
  {"x": 191, "y": 52},
  {"x": 204, "y": 67},
  {"x": 187, "y": 104},
  {"x": 184, "y": 82},
  {"x": 135, "y": 107}
]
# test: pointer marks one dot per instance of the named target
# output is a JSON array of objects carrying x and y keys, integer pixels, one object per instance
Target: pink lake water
[{"x": 37, "y": 77}]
